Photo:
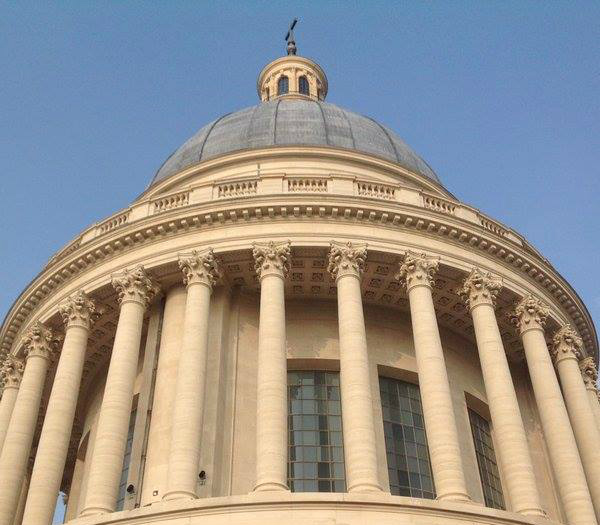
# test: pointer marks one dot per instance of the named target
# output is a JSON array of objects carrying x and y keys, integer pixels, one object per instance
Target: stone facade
[{"x": 146, "y": 370}]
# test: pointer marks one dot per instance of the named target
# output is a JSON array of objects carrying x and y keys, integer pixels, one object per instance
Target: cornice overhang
[{"x": 438, "y": 220}]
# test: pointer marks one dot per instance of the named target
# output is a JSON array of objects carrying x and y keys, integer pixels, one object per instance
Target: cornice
[{"x": 430, "y": 221}]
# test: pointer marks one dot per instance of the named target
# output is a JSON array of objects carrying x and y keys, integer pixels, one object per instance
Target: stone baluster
[
  {"x": 479, "y": 291},
  {"x": 39, "y": 344},
  {"x": 566, "y": 351},
  {"x": 135, "y": 292},
  {"x": 201, "y": 271},
  {"x": 589, "y": 373},
  {"x": 272, "y": 263},
  {"x": 78, "y": 313},
  {"x": 417, "y": 271},
  {"x": 346, "y": 265},
  {"x": 530, "y": 316},
  {"x": 10, "y": 378}
]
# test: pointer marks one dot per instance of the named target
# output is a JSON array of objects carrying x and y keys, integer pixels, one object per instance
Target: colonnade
[{"x": 570, "y": 416}]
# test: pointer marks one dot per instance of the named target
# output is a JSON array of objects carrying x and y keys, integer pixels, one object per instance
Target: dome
[{"x": 293, "y": 122}]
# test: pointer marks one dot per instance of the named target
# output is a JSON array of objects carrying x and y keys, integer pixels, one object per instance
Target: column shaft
[
  {"x": 511, "y": 440},
  {"x": 17, "y": 445},
  {"x": 584, "y": 425},
  {"x": 113, "y": 423},
  {"x": 271, "y": 400},
  {"x": 357, "y": 404},
  {"x": 564, "y": 456},
  {"x": 7, "y": 404},
  {"x": 56, "y": 433},
  {"x": 592, "y": 394},
  {"x": 438, "y": 412},
  {"x": 184, "y": 456}
]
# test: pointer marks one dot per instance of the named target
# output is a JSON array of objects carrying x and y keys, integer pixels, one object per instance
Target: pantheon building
[{"x": 297, "y": 323}]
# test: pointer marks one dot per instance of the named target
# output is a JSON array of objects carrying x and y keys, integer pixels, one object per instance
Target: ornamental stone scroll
[
  {"x": 480, "y": 288},
  {"x": 346, "y": 259},
  {"x": 200, "y": 268},
  {"x": 272, "y": 258},
  {"x": 566, "y": 344},
  {"x": 530, "y": 313},
  {"x": 135, "y": 286},
  {"x": 417, "y": 269},
  {"x": 79, "y": 310},
  {"x": 11, "y": 372}
]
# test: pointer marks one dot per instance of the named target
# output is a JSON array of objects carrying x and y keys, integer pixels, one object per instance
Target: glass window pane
[
  {"x": 408, "y": 461},
  {"x": 315, "y": 430},
  {"x": 486, "y": 461},
  {"x": 126, "y": 460}
]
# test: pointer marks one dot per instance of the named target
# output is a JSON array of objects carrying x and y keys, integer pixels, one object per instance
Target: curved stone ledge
[
  {"x": 275, "y": 508},
  {"x": 379, "y": 213}
]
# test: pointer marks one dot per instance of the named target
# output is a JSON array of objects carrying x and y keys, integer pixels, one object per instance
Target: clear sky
[{"x": 501, "y": 98}]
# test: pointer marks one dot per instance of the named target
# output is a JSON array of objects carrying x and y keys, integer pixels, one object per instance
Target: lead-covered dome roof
[{"x": 293, "y": 122}]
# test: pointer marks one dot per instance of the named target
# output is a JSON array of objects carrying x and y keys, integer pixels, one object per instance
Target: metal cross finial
[{"x": 289, "y": 38}]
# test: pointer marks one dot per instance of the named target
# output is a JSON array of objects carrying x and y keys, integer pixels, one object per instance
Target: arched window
[
  {"x": 283, "y": 85},
  {"x": 303, "y": 86}
]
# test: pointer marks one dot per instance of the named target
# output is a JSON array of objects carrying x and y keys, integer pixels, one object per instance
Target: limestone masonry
[{"x": 297, "y": 323}]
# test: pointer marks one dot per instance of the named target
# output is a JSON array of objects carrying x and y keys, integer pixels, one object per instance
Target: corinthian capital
[
  {"x": 417, "y": 269},
  {"x": 11, "y": 372},
  {"x": 39, "y": 341},
  {"x": 135, "y": 285},
  {"x": 346, "y": 259},
  {"x": 200, "y": 268},
  {"x": 589, "y": 372},
  {"x": 480, "y": 288},
  {"x": 272, "y": 258},
  {"x": 79, "y": 310},
  {"x": 530, "y": 313},
  {"x": 566, "y": 344}
]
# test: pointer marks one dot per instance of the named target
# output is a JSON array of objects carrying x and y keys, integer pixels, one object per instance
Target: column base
[
  {"x": 271, "y": 486},
  {"x": 532, "y": 512},
  {"x": 93, "y": 511},
  {"x": 455, "y": 496},
  {"x": 365, "y": 487},
  {"x": 178, "y": 494}
]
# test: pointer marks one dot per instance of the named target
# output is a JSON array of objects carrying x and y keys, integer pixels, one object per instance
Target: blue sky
[{"x": 501, "y": 98}]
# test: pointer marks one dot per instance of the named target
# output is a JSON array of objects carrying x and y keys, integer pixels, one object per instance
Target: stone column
[
  {"x": 39, "y": 344},
  {"x": 346, "y": 264},
  {"x": 10, "y": 378},
  {"x": 589, "y": 373},
  {"x": 272, "y": 263},
  {"x": 78, "y": 312},
  {"x": 530, "y": 316},
  {"x": 479, "y": 291},
  {"x": 201, "y": 271},
  {"x": 417, "y": 271},
  {"x": 136, "y": 290},
  {"x": 566, "y": 350}
]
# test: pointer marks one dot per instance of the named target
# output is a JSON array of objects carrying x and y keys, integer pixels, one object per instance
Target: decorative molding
[
  {"x": 450, "y": 228},
  {"x": 200, "y": 268},
  {"x": 530, "y": 314},
  {"x": 79, "y": 310},
  {"x": 589, "y": 373},
  {"x": 480, "y": 288},
  {"x": 135, "y": 285},
  {"x": 346, "y": 259},
  {"x": 11, "y": 372},
  {"x": 40, "y": 341},
  {"x": 566, "y": 344},
  {"x": 272, "y": 258},
  {"x": 417, "y": 269}
]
